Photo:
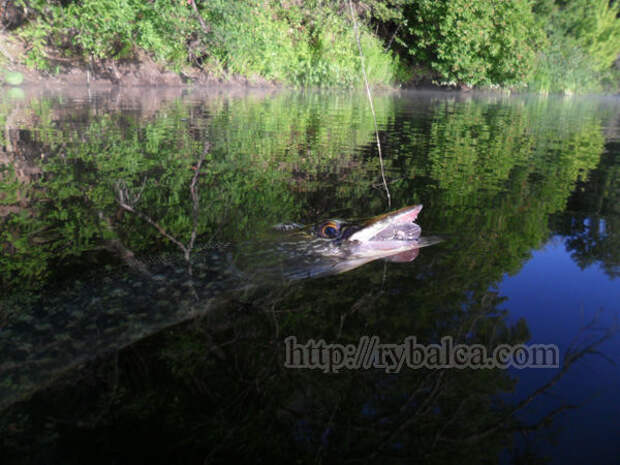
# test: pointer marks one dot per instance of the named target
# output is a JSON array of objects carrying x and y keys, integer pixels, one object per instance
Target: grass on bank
[
  {"x": 546, "y": 46},
  {"x": 307, "y": 44}
]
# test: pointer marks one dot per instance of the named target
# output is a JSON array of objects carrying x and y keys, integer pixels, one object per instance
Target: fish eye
[{"x": 329, "y": 230}]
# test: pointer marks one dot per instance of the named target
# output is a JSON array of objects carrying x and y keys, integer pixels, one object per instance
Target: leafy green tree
[
  {"x": 474, "y": 43},
  {"x": 595, "y": 27},
  {"x": 583, "y": 42}
]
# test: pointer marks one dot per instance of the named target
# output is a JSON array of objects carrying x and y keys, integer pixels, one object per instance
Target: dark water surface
[{"x": 131, "y": 330}]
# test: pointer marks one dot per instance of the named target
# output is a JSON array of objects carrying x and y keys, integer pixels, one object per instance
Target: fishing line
[{"x": 372, "y": 107}]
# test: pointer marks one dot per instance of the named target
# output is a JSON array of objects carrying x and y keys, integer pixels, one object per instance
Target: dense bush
[
  {"x": 484, "y": 42},
  {"x": 100, "y": 29},
  {"x": 302, "y": 44},
  {"x": 583, "y": 42},
  {"x": 550, "y": 45},
  {"x": 595, "y": 26},
  {"x": 564, "y": 67}
]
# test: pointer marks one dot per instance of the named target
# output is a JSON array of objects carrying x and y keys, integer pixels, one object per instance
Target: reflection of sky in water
[
  {"x": 558, "y": 299},
  {"x": 601, "y": 225}
]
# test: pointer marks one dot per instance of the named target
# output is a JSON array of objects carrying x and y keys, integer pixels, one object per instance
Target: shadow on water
[{"x": 130, "y": 331}]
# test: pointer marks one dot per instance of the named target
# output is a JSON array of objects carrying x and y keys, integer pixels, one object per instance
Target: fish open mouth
[
  {"x": 395, "y": 226},
  {"x": 390, "y": 234}
]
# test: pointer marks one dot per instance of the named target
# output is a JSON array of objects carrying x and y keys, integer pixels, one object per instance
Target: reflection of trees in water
[
  {"x": 217, "y": 386},
  {"x": 259, "y": 145},
  {"x": 592, "y": 222},
  {"x": 593, "y": 239},
  {"x": 486, "y": 173}
]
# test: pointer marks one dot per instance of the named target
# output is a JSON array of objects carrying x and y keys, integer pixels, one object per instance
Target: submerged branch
[
  {"x": 193, "y": 188},
  {"x": 123, "y": 200},
  {"x": 125, "y": 254},
  {"x": 127, "y": 202}
]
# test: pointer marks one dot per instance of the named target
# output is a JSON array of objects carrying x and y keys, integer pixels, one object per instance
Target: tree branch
[{"x": 206, "y": 29}]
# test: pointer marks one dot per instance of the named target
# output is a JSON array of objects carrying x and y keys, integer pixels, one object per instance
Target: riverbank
[
  {"x": 143, "y": 71},
  {"x": 174, "y": 43},
  {"x": 140, "y": 71},
  {"x": 558, "y": 47}
]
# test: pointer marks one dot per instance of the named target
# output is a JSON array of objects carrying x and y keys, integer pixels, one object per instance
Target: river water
[{"x": 118, "y": 348}]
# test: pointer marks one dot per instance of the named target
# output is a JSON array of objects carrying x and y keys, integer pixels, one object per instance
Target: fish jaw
[
  {"x": 388, "y": 234},
  {"x": 404, "y": 216}
]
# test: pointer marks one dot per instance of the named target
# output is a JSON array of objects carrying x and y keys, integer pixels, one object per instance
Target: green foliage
[
  {"x": 487, "y": 42},
  {"x": 595, "y": 26},
  {"x": 552, "y": 47},
  {"x": 583, "y": 42},
  {"x": 245, "y": 185},
  {"x": 36, "y": 35},
  {"x": 291, "y": 158},
  {"x": 103, "y": 29},
  {"x": 302, "y": 45},
  {"x": 13, "y": 78},
  {"x": 385, "y": 10},
  {"x": 305, "y": 45},
  {"x": 563, "y": 67}
]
